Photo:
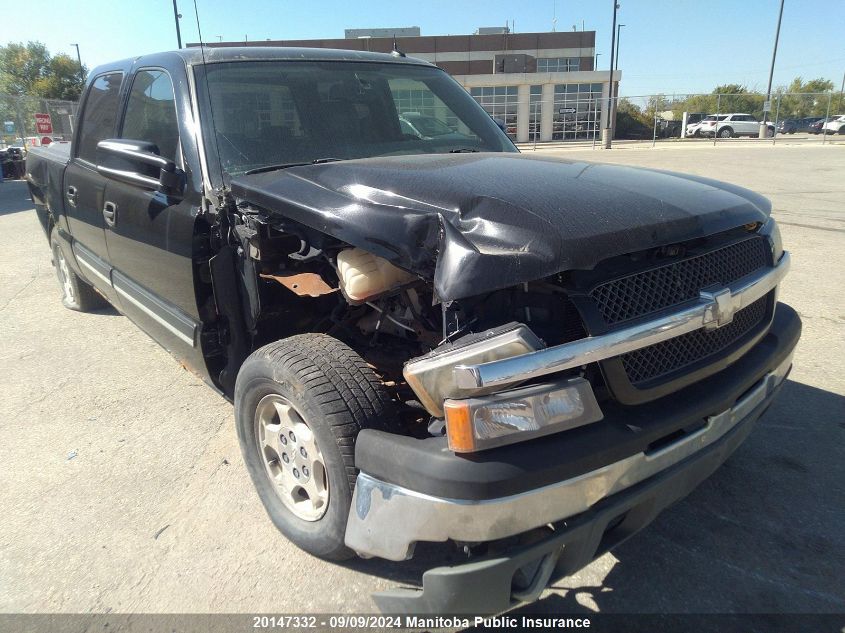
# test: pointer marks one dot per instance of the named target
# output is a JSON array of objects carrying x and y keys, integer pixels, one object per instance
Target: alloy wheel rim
[
  {"x": 292, "y": 458},
  {"x": 64, "y": 276}
]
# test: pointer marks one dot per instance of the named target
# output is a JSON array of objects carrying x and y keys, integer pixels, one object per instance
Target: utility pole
[
  {"x": 763, "y": 126},
  {"x": 607, "y": 132},
  {"x": 176, "y": 16},
  {"x": 841, "y": 90}
]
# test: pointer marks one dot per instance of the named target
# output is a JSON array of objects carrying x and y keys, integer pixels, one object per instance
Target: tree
[
  {"x": 803, "y": 99},
  {"x": 29, "y": 70},
  {"x": 21, "y": 66},
  {"x": 737, "y": 98},
  {"x": 630, "y": 121},
  {"x": 62, "y": 81}
]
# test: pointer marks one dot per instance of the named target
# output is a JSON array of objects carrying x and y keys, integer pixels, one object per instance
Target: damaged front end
[
  {"x": 453, "y": 296},
  {"x": 504, "y": 336}
]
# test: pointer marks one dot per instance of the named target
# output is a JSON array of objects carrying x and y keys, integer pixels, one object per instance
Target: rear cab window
[{"x": 99, "y": 115}]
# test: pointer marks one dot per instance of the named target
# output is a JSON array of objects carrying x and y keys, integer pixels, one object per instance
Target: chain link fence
[{"x": 28, "y": 121}]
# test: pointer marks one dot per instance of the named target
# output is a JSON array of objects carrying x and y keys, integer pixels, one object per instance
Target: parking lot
[{"x": 123, "y": 489}]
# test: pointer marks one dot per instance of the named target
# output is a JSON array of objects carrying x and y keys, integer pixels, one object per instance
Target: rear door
[
  {"x": 84, "y": 187},
  {"x": 750, "y": 125},
  {"x": 150, "y": 234}
]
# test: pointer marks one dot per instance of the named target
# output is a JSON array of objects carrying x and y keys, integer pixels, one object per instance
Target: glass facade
[
  {"x": 577, "y": 111},
  {"x": 412, "y": 96},
  {"x": 573, "y": 114},
  {"x": 501, "y": 103},
  {"x": 535, "y": 113},
  {"x": 558, "y": 64}
]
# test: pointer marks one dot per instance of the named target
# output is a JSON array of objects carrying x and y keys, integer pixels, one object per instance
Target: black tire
[
  {"x": 726, "y": 132},
  {"x": 336, "y": 393},
  {"x": 76, "y": 294}
]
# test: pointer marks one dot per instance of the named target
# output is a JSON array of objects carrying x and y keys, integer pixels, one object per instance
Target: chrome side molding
[{"x": 712, "y": 310}]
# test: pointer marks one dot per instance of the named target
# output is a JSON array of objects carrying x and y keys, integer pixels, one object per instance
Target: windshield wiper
[
  {"x": 316, "y": 161},
  {"x": 464, "y": 150}
]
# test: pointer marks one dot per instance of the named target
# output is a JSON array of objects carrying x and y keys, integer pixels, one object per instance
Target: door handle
[
  {"x": 110, "y": 213},
  {"x": 71, "y": 196}
]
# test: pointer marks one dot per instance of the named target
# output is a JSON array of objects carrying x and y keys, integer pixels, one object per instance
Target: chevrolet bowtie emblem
[{"x": 722, "y": 307}]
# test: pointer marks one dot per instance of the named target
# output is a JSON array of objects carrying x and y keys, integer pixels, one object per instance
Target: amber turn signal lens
[{"x": 459, "y": 427}]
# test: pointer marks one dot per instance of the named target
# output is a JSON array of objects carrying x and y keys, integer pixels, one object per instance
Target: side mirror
[
  {"x": 500, "y": 122},
  {"x": 138, "y": 163}
]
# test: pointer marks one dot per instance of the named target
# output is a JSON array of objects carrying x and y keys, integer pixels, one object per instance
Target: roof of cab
[{"x": 214, "y": 54}]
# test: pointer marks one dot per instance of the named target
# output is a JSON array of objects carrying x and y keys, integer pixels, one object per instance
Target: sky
[{"x": 667, "y": 46}]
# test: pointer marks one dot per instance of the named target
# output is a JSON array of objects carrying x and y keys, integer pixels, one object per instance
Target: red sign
[{"x": 43, "y": 124}]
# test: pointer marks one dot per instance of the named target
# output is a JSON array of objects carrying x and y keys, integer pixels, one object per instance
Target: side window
[
  {"x": 151, "y": 112},
  {"x": 99, "y": 115}
]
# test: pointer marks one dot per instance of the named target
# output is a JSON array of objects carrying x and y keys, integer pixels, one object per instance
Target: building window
[
  {"x": 577, "y": 112},
  {"x": 558, "y": 64},
  {"x": 500, "y": 102},
  {"x": 411, "y": 96},
  {"x": 535, "y": 114}
]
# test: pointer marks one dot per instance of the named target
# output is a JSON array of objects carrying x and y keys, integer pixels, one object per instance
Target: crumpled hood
[{"x": 474, "y": 223}]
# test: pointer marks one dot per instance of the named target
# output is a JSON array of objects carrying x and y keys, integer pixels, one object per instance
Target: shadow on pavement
[
  {"x": 14, "y": 197},
  {"x": 762, "y": 535}
]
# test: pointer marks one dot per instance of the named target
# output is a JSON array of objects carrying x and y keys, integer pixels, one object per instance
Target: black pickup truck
[{"x": 426, "y": 337}]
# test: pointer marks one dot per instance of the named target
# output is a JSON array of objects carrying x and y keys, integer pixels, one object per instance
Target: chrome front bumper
[{"x": 386, "y": 520}]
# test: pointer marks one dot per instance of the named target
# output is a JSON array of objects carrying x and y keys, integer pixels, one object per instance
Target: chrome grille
[
  {"x": 671, "y": 284},
  {"x": 664, "y": 358}
]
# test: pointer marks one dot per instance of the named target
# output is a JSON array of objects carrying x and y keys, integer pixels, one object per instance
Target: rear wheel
[
  {"x": 76, "y": 294},
  {"x": 299, "y": 406}
]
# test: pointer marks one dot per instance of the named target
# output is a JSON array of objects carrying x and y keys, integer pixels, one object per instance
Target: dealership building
[{"x": 544, "y": 86}]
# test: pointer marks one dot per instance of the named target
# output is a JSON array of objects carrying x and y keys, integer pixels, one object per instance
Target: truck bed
[{"x": 44, "y": 174}]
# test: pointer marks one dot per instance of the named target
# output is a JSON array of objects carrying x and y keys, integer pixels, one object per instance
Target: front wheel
[
  {"x": 726, "y": 132},
  {"x": 299, "y": 405}
]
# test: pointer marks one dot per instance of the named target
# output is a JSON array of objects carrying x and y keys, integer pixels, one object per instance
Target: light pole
[
  {"x": 176, "y": 16},
  {"x": 841, "y": 90},
  {"x": 618, "y": 43},
  {"x": 79, "y": 59},
  {"x": 763, "y": 126},
  {"x": 607, "y": 132},
  {"x": 596, "y": 63}
]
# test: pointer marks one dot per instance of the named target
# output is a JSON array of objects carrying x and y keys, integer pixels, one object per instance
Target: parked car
[
  {"x": 733, "y": 125},
  {"x": 791, "y": 126},
  {"x": 426, "y": 340},
  {"x": 836, "y": 125},
  {"x": 694, "y": 120},
  {"x": 817, "y": 127}
]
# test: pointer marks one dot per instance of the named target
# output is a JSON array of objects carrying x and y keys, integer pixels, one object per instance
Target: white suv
[
  {"x": 730, "y": 125},
  {"x": 836, "y": 125}
]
